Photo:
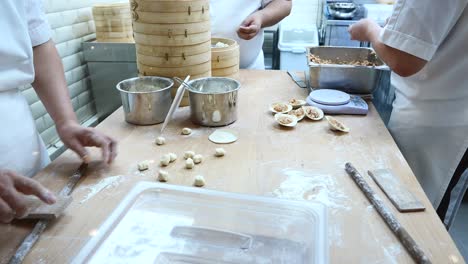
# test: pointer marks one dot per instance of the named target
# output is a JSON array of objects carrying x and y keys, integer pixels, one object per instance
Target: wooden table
[{"x": 265, "y": 157}]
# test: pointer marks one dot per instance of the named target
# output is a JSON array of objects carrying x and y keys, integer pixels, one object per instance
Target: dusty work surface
[{"x": 305, "y": 163}]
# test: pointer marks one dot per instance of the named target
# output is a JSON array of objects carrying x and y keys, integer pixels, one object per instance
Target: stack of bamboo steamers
[
  {"x": 172, "y": 38},
  {"x": 113, "y": 22}
]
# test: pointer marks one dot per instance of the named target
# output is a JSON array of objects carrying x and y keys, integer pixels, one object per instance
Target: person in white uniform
[
  {"x": 28, "y": 56},
  {"x": 425, "y": 44},
  {"x": 243, "y": 21}
]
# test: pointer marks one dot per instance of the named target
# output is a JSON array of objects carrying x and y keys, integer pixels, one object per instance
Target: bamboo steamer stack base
[
  {"x": 172, "y": 39},
  {"x": 113, "y": 22},
  {"x": 225, "y": 60}
]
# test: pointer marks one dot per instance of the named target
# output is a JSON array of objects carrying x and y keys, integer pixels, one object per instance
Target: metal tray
[{"x": 346, "y": 77}]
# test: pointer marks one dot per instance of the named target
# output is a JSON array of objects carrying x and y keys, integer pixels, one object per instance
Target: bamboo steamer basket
[
  {"x": 168, "y": 51},
  {"x": 171, "y": 29},
  {"x": 177, "y": 18},
  {"x": 179, "y": 71},
  {"x": 174, "y": 61},
  {"x": 177, "y": 40},
  {"x": 168, "y": 6},
  {"x": 113, "y": 22},
  {"x": 225, "y": 61}
]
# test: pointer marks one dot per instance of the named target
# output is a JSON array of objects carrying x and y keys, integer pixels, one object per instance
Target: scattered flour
[
  {"x": 107, "y": 183},
  {"x": 301, "y": 185}
]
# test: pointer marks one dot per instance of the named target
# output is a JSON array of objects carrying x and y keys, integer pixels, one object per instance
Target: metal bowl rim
[
  {"x": 145, "y": 77},
  {"x": 205, "y": 78}
]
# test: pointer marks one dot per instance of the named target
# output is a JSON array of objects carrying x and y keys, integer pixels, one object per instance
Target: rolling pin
[
  {"x": 408, "y": 242},
  {"x": 41, "y": 225}
]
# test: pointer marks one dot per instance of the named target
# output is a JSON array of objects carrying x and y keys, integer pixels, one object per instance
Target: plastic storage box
[
  {"x": 292, "y": 45},
  {"x": 161, "y": 223}
]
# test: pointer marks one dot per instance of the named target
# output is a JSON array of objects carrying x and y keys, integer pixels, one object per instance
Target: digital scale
[{"x": 337, "y": 102}]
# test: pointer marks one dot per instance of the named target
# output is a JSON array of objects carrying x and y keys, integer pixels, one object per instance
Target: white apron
[
  {"x": 429, "y": 120},
  {"x": 22, "y": 26},
  {"x": 226, "y": 17}
]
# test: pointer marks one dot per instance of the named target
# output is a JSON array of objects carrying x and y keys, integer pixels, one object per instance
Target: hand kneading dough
[
  {"x": 197, "y": 159},
  {"x": 163, "y": 176},
  {"x": 189, "y": 164},
  {"x": 219, "y": 152},
  {"x": 160, "y": 141},
  {"x": 199, "y": 181},
  {"x": 165, "y": 160}
]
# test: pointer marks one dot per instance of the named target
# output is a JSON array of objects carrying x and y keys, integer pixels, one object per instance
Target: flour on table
[
  {"x": 107, "y": 183},
  {"x": 301, "y": 185}
]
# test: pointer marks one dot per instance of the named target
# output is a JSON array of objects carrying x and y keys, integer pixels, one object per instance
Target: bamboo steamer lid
[
  {"x": 163, "y": 51},
  {"x": 174, "y": 61},
  {"x": 171, "y": 29},
  {"x": 171, "y": 6},
  {"x": 180, "y": 71},
  {"x": 178, "y": 40},
  {"x": 225, "y": 71},
  {"x": 170, "y": 18}
]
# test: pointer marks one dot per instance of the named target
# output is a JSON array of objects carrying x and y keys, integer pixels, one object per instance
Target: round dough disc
[
  {"x": 329, "y": 97},
  {"x": 222, "y": 137}
]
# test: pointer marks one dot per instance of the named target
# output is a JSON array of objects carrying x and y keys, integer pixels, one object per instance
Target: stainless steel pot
[
  {"x": 146, "y": 100},
  {"x": 213, "y": 101}
]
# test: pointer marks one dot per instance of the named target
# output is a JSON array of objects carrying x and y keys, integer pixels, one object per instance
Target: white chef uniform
[
  {"x": 430, "y": 114},
  {"x": 23, "y": 25},
  {"x": 227, "y": 16}
]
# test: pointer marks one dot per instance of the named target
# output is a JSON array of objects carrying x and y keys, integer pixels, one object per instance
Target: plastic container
[
  {"x": 292, "y": 45},
  {"x": 160, "y": 223}
]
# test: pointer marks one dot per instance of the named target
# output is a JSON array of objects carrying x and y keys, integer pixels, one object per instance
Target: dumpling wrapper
[{"x": 222, "y": 137}]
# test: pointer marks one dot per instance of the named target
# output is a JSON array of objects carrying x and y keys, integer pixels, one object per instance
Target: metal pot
[
  {"x": 146, "y": 100},
  {"x": 213, "y": 101}
]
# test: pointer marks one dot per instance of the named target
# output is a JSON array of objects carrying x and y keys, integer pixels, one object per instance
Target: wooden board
[
  {"x": 41, "y": 210},
  {"x": 396, "y": 191},
  {"x": 266, "y": 160}
]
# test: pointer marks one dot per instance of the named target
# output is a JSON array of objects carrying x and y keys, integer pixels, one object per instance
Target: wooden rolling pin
[{"x": 408, "y": 242}]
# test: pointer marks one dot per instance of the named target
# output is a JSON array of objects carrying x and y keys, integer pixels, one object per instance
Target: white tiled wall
[{"x": 71, "y": 23}]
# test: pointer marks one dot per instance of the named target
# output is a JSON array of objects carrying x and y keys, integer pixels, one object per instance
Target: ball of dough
[
  {"x": 197, "y": 159},
  {"x": 165, "y": 160},
  {"x": 160, "y": 141},
  {"x": 199, "y": 181},
  {"x": 173, "y": 157},
  {"x": 163, "y": 176},
  {"x": 186, "y": 131},
  {"x": 143, "y": 165},
  {"x": 189, "y": 154},
  {"x": 189, "y": 164},
  {"x": 219, "y": 152}
]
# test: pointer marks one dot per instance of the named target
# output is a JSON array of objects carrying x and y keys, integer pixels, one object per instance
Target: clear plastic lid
[{"x": 161, "y": 223}]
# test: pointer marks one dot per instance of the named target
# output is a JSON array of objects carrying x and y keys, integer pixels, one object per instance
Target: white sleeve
[
  {"x": 418, "y": 27},
  {"x": 39, "y": 29}
]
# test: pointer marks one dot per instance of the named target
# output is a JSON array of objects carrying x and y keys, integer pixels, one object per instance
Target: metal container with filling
[
  {"x": 349, "y": 69},
  {"x": 146, "y": 100},
  {"x": 213, "y": 101}
]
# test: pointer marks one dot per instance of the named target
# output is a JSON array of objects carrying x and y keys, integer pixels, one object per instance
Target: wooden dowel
[{"x": 408, "y": 242}]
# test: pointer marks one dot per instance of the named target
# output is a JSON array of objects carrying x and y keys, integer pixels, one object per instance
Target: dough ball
[
  {"x": 219, "y": 152},
  {"x": 189, "y": 164},
  {"x": 160, "y": 141},
  {"x": 165, "y": 160},
  {"x": 163, "y": 176},
  {"x": 189, "y": 154},
  {"x": 186, "y": 131},
  {"x": 172, "y": 157},
  {"x": 197, "y": 158},
  {"x": 199, "y": 181},
  {"x": 143, "y": 165}
]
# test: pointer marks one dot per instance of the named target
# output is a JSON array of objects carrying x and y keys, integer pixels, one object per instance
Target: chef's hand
[
  {"x": 250, "y": 26},
  {"x": 361, "y": 30},
  {"x": 13, "y": 189},
  {"x": 77, "y": 137}
]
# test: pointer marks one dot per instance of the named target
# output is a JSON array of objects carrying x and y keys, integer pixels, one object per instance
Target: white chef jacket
[
  {"x": 429, "y": 120},
  {"x": 23, "y": 25},
  {"x": 227, "y": 16}
]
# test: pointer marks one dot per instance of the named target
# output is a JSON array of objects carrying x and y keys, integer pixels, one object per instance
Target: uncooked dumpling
[
  {"x": 199, "y": 181},
  {"x": 219, "y": 152},
  {"x": 189, "y": 164},
  {"x": 186, "y": 131},
  {"x": 163, "y": 176},
  {"x": 197, "y": 159},
  {"x": 160, "y": 141},
  {"x": 165, "y": 160},
  {"x": 143, "y": 165}
]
